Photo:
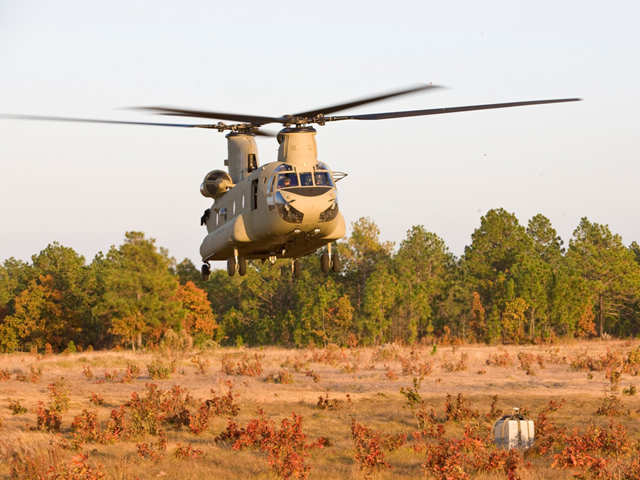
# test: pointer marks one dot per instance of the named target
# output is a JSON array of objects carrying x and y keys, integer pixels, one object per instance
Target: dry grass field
[{"x": 361, "y": 385}]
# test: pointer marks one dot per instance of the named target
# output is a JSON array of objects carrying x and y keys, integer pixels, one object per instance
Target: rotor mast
[{"x": 298, "y": 147}]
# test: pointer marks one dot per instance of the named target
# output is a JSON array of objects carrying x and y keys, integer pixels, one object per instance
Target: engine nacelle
[{"x": 216, "y": 183}]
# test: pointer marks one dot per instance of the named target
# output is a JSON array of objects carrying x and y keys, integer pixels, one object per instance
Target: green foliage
[{"x": 512, "y": 285}]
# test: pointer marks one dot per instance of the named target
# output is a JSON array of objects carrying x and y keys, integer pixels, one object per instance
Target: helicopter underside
[{"x": 292, "y": 241}]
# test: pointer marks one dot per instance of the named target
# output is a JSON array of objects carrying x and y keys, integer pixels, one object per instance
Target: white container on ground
[{"x": 514, "y": 431}]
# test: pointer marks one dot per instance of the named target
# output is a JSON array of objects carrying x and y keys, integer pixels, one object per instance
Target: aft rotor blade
[
  {"x": 435, "y": 111},
  {"x": 93, "y": 120},
  {"x": 236, "y": 117},
  {"x": 363, "y": 101}
]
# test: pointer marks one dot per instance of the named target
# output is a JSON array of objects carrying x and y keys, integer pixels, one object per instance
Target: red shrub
[
  {"x": 153, "y": 451},
  {"x": 187, "y": 452},
  {"x": 286, "y": 448},
  {"x": 370, "y": 447}
]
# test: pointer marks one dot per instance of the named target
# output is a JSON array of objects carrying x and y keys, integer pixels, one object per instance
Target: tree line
[{"x": 512, "y": 284}]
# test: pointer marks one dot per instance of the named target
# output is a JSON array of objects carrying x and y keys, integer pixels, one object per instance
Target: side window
[
  {"x": 223, "y": 214},
  {"x": 254, "y": 194},
  {"x": 233, "y": 212},
  {"x": 323, "y": 178},
  {"x": 243, "y": 201},
  {"x": 252, "y": 162}
]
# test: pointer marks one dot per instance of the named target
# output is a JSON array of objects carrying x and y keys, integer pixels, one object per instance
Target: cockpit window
[
  {"x": 287, "y": 180},
  {"x": 306, "y": 179},
  {"x": 284, "y": 168},
  {"x": 323, "y": 178}
]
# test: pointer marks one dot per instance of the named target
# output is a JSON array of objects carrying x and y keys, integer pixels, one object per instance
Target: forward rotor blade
[
  {"x": 93, "y": 120},
  {"x": 363, "y": 101},
  {"x": 236, "y": 117},
  {"x": 435, "y": 111}
]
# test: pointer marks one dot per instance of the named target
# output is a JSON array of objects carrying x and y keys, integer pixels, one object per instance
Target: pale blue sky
[{"x": 85, "y": 185}]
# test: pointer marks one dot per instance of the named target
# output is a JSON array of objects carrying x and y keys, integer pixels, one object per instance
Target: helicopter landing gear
[
  {"x": 205, "y": 271},
  {"x": 296, "y": 268},
  {"x": 242, "y": 266},
  {"x": 336, "y": 263},
  {"x": 330, "y": 261},
  {"x": 232, "y": 263},
  {"x": 231, "y": 266},
  {"x": 325, "y": 262}
]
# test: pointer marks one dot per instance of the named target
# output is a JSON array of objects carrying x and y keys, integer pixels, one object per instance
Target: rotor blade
[
  {"x": 435, "y": 111},
  {"x": 92, "y": 120},
  {"x": 363, "y": 101},
  {"x": 236, "y": 117}
]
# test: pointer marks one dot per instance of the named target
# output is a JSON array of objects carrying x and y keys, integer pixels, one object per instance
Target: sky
[{"x": 86, "y": 185}]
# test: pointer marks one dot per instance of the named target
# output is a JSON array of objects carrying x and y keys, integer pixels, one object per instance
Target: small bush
[
  {"x": 414, "y": 399},
  {"x": 457, "y": 410},
  {"x": 187, "y": 452},
  {"x": 16, "y": 407},
  {"x": 370, "y": 447},
  {"x": 630, "y": 390},
  {"x": 454, "y": 365},
  {"x": 96, "y": 399},
  {"x": 131, "y": 373},
  {"x": 201, "y": 364},
  {"x": 59, "y": 395},
  {"x": 246, "y": 365},
  {"x": 161, "y": 370},
  {"x": 34, "y": 375},
  {"x": 612, "y": 406},
  {"x": 286, "y": 448},
  {"x": 499, "y": 360},
  {"x": 326, "y": 403},
  {"x": 30, "y": 465},
  {"x": 87, "y": 372},
  {"x": 153, "y": 450},
  {"x": 5, "y": 375},
  {"x": 47, "y": 419},
  {"x": 282, "y": 376}
]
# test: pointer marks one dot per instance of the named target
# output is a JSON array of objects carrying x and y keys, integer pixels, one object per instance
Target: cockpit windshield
[
  {"x": 287, "y": 180},
  {"x": 307, "y": 179}
]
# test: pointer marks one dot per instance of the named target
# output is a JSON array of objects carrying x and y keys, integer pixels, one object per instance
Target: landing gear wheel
[
  {"x": 242, "y": 266},
  {"x": 325, "y": 262},
  {"x": 231, "y": 266},
  {"x": 336, "y": 264},
  {"x": 297, "y": 268},
  {"x": 205, "y": 270}
]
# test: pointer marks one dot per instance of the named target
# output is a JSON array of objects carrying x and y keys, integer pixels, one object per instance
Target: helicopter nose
[{"x": 313, "y": 207}]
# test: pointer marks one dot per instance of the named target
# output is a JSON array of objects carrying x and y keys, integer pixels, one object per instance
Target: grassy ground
[{"x": 372, "y": 378}]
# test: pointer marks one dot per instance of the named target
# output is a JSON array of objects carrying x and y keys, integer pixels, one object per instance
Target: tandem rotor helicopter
[{"x": 283, "y": 209}]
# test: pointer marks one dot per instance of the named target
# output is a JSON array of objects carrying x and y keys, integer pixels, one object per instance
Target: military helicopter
[{"x": 283, "y": 209}]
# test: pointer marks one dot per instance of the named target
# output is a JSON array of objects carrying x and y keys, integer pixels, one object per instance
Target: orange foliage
[{"x": 198, "y": 318}]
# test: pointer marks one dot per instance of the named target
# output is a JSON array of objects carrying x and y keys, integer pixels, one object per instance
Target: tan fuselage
[{"x": 253, "y": 218}]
